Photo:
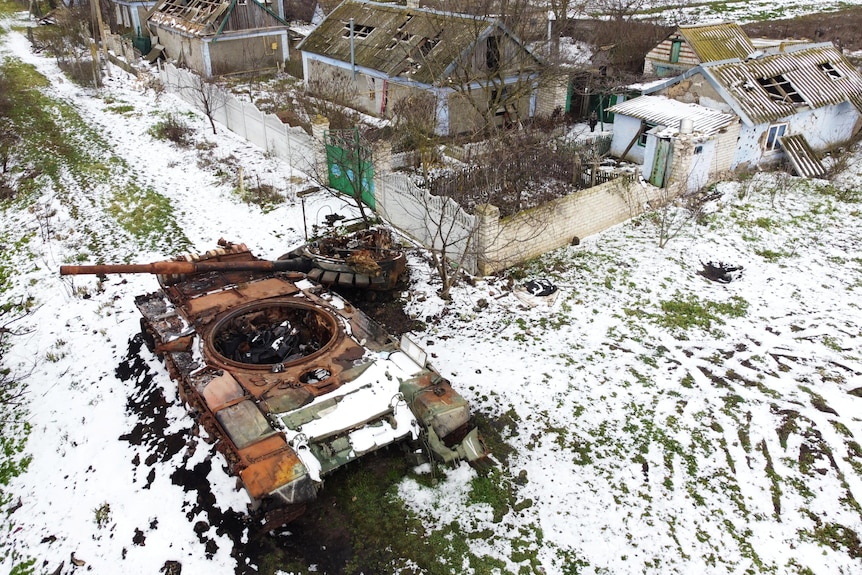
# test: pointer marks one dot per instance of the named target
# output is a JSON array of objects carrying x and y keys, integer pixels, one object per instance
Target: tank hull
[{"x": 292, "y": 381}]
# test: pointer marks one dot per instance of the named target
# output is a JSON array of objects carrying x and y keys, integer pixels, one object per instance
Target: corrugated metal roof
[
  {"x": 200, "y": 17},
  {"x": 663, "y": 111},
  {"x": 715, "y": 42},
  {"x": 815, "y": 75},
  {"x": 803, "y": 158},
  {"x": 414, "y": 43}
]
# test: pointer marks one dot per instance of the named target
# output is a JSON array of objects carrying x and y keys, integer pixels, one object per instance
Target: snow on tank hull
[{"x": 293, "y": 381}]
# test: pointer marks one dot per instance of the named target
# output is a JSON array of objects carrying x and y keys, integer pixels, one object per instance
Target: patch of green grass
[
  {"x": 494, "y": 489},
  {"x": 770, "y": 255},
  {"x": 834, "y": 536},
  {"x": 764, "y": 223},
  {"x": 145, "y": 215},
  {"x": 121, "y": 109},
  {"x": 686, "y": 311}
]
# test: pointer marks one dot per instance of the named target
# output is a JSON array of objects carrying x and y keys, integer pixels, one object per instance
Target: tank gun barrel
[{"x": 183, "y": 267}]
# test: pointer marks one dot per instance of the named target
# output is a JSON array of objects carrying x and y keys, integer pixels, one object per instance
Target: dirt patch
[{"x": 840, "y": 28}]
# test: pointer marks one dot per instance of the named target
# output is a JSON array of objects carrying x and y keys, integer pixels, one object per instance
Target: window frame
[
  {"x": 773, "y": 133},
  {"x": 642, "y": 137}
]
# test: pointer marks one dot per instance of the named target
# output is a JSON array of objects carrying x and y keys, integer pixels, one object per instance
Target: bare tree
[
  {"x": 208, "y": 95},
  {"x": 620, "y": 9},
  {"x": 11, "y": 390},
  {"x": 681, "y": 199},
  {"x": 13, "y": 424},
  {"x": 446, "y": 231},
  {"x": 332, "y": 97},
  {"x": 413, "y": 119},
  {"x": 565, "y": 9},
  {"x": 70, "y": 41},
  {"x": 345, "y": 168}
]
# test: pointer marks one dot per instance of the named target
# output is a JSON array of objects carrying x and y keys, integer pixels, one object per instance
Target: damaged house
[
  {"x": 690, "y": 46},
  {"x": 218, "y": 37},
  {"x": 464, "y": 71},
  {"x": 672, "y": 140},
  {"x": 792, "y": 102}
]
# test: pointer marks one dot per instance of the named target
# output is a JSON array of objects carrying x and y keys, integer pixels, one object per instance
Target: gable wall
[
  {"x": 659, "y": 57},
  {"x": 230, "y": 55},
  {"x": 626, "y": 129},
  {"x": 250, "y": 17},
  {"x": 513, "y": 60}
]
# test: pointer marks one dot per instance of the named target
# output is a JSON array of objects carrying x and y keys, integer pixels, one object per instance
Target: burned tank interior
[{"x": 279, "y": 333}]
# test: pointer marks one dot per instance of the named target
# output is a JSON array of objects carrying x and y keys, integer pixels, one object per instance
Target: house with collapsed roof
[
  {"x": 465, "y": 70},
  {"x": 672, "y": 140},
  {"x": 792, "y": 103},
  {"x": 130, "y": 15},
  {"x": 690, "y": 46},
  {"x": 217, "y": 37}
]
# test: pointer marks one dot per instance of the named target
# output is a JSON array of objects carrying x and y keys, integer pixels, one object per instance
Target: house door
[
  {"x": 663, "y": 162},
  {"x": 348, "y": 162}
]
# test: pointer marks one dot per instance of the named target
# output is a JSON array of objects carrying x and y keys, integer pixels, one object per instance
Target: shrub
[{"x": 172, "y": 129}]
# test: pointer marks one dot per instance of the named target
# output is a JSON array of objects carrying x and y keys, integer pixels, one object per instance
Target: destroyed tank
[
  {"x": 292, "y": 380},
  {"x": 363, "y": 260}
]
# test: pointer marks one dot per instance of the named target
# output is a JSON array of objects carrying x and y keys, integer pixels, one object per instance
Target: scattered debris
[
  {"x": 720, "y": 272},
  {"x": 540, "y": 287},
  {"x": 77, "y": 562},
  {"x": 536, "y": 292}
]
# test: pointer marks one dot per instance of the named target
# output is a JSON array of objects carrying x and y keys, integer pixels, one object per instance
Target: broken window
[
  {"x": 780, "y": 90},
  {"x": 645, "y": 127},
  {"x": 775, "y": 131},
  {"x": 360, "y": 31},
  {"x": 830, "y": 70},
  {"x": 492, "y": 53},
  {"x": 428, "y": 44}
]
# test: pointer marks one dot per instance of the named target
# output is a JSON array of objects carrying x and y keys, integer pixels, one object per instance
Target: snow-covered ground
[
  {"x": 740, "y": 11},
  {"x": 660, "y": 422}
]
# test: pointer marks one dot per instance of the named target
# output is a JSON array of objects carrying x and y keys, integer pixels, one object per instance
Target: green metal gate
[{"x": 349, "y": 164}]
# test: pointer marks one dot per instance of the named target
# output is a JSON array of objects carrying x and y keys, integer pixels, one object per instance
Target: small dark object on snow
[
  {"x": 331, "y": 219},
  {"x": 540, "y": 287},
  {"x": 720, "y": 272},
  {"x": 171, "y": 568}
]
